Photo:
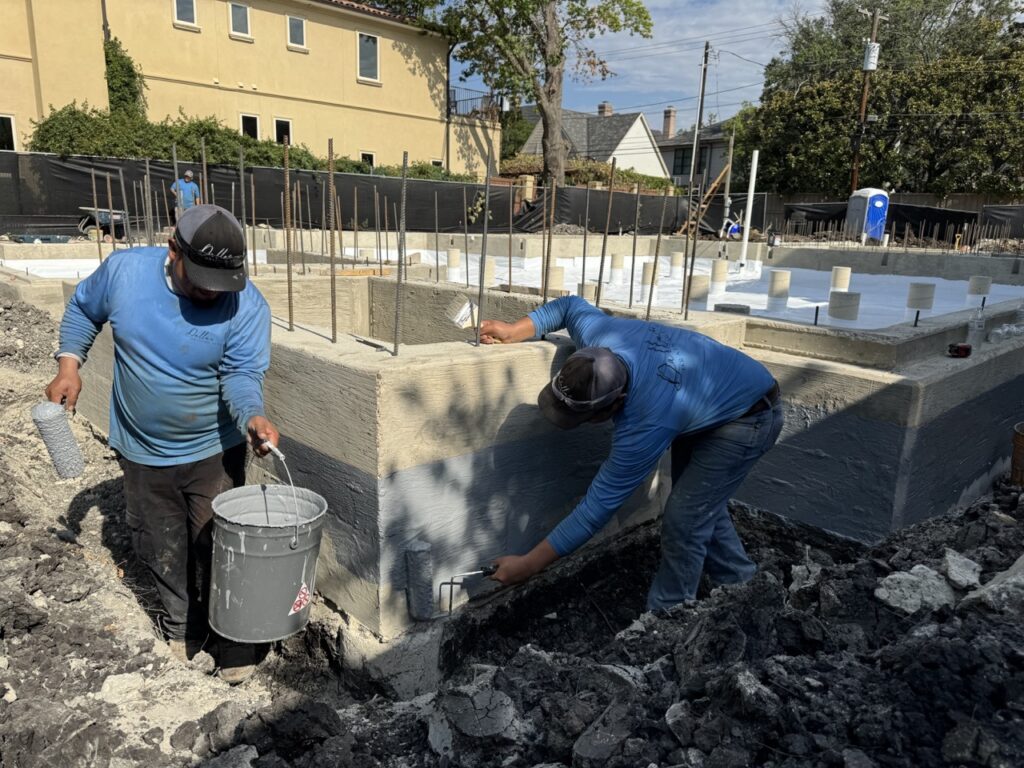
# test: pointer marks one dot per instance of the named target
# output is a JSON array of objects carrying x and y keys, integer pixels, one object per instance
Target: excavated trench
[{"x": 835, "y": 654}]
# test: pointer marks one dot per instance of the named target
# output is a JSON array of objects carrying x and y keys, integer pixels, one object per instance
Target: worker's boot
[{"x": 237, "y": 661}]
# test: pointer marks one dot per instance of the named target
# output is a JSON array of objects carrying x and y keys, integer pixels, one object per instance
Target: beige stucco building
[{"x": 308, "y": 69}]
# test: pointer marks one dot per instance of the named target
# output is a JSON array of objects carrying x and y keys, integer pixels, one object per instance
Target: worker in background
[
  {"x": 192, "y": 343},
  {"x": 715, "y": 407},
  {"x": 186, "y": 194}
]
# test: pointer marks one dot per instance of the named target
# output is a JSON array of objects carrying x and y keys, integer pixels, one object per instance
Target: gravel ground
[{"x": 908, "y": 653}]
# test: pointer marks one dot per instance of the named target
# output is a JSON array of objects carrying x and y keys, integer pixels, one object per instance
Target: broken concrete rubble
[{"x": 912, "y": 590}]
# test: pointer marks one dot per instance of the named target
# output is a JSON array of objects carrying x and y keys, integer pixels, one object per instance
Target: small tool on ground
[{"x": 458, "y": 580}]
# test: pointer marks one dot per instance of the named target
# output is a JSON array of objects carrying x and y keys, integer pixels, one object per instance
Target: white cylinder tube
[
  {"x": 840, "y": 279},
  {"x": 719, "y": 276},
  {"x": 556, "y": 279},
  {"x": 676, "y": 269},
  {"x": 921, "y": 296},
  {"x": 699, "y": 288},
  {"x": 978, "y": 289},
  {"x": 455, "y": 271},
  {"x": 615, "y": 274},
  {"x": 647, "y": 279},
  {"x": 587, "y": 290},
  {"x": 778, "y": 289},
  {"x": 843, "y": 308}
]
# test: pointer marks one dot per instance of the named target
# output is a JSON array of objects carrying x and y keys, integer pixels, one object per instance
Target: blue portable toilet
[{"x": 866, "y": 213}]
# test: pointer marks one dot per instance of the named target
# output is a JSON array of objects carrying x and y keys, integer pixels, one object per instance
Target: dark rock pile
[{"x": 910, "y": 653}]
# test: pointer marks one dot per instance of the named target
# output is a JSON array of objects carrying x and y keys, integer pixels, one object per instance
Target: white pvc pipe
[{"x": 747, "y": 214}]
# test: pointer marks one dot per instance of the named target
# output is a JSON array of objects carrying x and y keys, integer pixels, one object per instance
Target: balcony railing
[{"x": 468, "y": 102}]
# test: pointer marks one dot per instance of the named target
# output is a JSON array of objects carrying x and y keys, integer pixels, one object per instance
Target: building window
[
  {"x": 368, "y": 158},
  {"x": 282, "y": 130},
  {"x": 681, "y": 161},
  {"x": 239, "y": 17},
  {"x": 185, "y": 11},
  {"x": 296, "y": 32},
  {"x": 250, "y": 126},
  {"x": 7, "y": 133},
  {"x": 437, "y": 163},
  {"x": 369, "y": 63}
]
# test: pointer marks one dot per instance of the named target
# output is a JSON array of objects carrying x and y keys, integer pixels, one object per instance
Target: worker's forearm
[
  {"x": 541, "y": 556},
  {"x": 523, "y": 329}
]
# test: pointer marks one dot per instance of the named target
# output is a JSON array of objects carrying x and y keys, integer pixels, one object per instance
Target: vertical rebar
[
  {"x": 401, "y": 248},
  {"x": 511, "y": 213},
  {"x": 339, "y": 226},
  {"x": 96, "y": 217},
  {"x": 138, "y": 215},
  {"x": 110, "y": 211},
  {"x": 252, "y": 197},
  {"x": 604, "y": 240},
  {"x": 206, "y": 178},
  {"x": 398, "y": 236},
  {"x": 323, "y": 219},
  {"x": 147, "y": 202},
  {"x": 177, "y": 195},
  {"x": 688, "y": 278},
  {"x": 167, "y": 210},
  {"x": 483, "y": 246},
  {"x": 376, "y": 226},
  {"x": 298, "y": 213},
  {"x": 586, "y": 233},
  {"x": 387, "y": 243},
  {"x": 213, "y": 193},
  {"x": 287, "y": 200},
  {"x": 543, "y": 237},
  {"x": 551, "y": 239},
  {"x": 657, "y": 254},
  {"x": 355, "y": 223},
  {"x": 124, "y": 201},
  {"x": 241, "y": 188},
  {"x": 636, "y": 232},
  {"x": 465, "y": 232},
  {"x": 330, "y": 225},
  {"x": 437, "y": 244},
  {"x": 232, "y": 208}
]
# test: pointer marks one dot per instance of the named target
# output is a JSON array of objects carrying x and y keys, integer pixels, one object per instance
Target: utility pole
[
  {"x": 696, "y": 130},
  {"x": 870, "y": 65}
]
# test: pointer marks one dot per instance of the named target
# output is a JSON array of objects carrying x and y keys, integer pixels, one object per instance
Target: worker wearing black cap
[
  {"x": 715, "y": 407},
  {"x": 192, "y": 343}
]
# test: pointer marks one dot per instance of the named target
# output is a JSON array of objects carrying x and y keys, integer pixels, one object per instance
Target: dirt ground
[{"x": 908, "y": 653}]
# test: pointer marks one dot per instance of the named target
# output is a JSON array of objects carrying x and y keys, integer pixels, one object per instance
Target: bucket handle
[{"x": 295, "y": 499}]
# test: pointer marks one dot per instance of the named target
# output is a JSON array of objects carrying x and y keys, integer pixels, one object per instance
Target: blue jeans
[{"x": 697, "y": 533}]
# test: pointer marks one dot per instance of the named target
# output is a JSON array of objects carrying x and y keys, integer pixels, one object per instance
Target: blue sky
[{"x": 653, "y": 73}]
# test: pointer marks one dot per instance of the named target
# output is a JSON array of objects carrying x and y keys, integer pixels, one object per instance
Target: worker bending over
[
  {"x": 191, "y": 345},
  {"x": 717, "y": 409}
]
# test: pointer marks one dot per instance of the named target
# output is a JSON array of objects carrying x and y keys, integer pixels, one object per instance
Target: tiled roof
[
  {"x": 710, "y": 132},
  {"x": 590, "y": 136},
  {"x": 369, "y": 10}
]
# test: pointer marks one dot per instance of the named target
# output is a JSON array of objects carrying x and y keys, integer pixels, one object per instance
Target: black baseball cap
[
  {"x": 591, "y": 380},
  {"x": 213, "y": 243}
]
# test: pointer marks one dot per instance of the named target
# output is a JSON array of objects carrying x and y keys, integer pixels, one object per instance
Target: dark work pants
[{"x": 170, "y": 519}]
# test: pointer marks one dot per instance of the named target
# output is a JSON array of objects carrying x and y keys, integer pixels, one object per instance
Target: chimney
[
  {"x": 604, "y": 109},
  {"x": 668, "y": 127}
]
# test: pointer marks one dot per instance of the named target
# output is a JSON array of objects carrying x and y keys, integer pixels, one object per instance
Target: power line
[{"x": 687, "y": 40}]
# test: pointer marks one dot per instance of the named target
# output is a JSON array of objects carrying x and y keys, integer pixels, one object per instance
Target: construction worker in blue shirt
[
  {"x": 716, "y": 408},
  {"x": 186, "y": 193},
  {"x": 192, "y": 343}
]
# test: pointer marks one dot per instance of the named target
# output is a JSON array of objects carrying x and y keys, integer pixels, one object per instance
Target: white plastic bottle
[{"x": 976, "y": 328}]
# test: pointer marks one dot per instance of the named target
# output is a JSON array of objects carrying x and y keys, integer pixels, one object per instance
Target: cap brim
[
  {"x": 215, "y": 279},
  {"x": 557, "y": 413}
]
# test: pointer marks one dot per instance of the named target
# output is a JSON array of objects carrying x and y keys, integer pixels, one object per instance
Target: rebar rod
[
  {"x": 437, "y": 244},
  {"x": 398, "y": 277},
  {"x": 543, "y": 236},
  {"x": 110, "y": 211},
  {"x": 687, "y": 285},
  {"x": 465, "y": 232},
  {"x": 323, "y": 219},
  {"x": 657, "y": 254},
  {"x": 511, "y": 213},
  {"x": 604, "y": 240},
  {"x": 241, "y": 188},
  {"x": 206, "y": 178},
  {"x": 636, "y": 230},
  {"x": 551, "y": 237},
  {"x": 252, "y": 189},
  {"x": 127, "y": 217},
  {"x": 287, "y": 199},
  {"x": 355, "y": 224},
  {"x": 586, "y": 233},
  {"x": 177, "y": 195},
  {"x": 138, "y": 215},
  {"x": 387, "y": 243},
  {"x": 376, "y": 226},
  {"x": 96, "y": 217},
  {"x": 483, "y": 247},
  {"x": 330, "y": 224}
]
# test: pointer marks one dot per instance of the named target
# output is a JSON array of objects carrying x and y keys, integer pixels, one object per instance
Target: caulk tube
[{"x": 52, "y": 422}]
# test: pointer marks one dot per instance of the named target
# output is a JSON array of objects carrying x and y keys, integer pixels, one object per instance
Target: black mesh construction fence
[
  {"x": 903, "y": 218},
  {"x": 46, "y": 193},
  {"x": 1004, "y": 220}
]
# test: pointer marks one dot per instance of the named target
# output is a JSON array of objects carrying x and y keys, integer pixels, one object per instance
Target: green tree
[
  {"x": 515, "y": 130},
  {"x": 522, "y": 48},
  {"x": 948, "y": 108}
]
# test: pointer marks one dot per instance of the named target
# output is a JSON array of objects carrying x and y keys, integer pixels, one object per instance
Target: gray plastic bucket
[{"x": 265, "y": 546}]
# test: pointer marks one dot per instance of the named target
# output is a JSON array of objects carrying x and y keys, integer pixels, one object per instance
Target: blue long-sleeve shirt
[
  {"x": 187, "y": 378},
  {"x": 679, "y": 382}
]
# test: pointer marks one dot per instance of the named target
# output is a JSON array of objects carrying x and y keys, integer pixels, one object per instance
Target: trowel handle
[
  {"x": 488, "y": 570},
  {"x": 273, "y": 449}
]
